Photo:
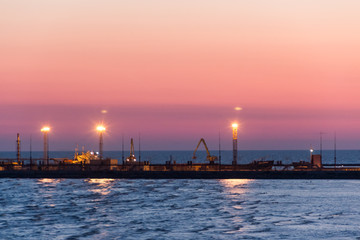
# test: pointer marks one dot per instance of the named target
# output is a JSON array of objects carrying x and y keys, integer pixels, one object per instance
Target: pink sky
[{"x": 175, "y": 70}]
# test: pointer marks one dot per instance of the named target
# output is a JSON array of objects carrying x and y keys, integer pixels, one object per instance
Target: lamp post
[
  {"x": 100, "y": 129},
  {"x": 234, "y": 128},
  {"x": 46, "y": 130},
  {"x": 311, "y": 153}
]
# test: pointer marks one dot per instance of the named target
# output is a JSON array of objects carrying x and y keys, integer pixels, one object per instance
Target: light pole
[
  {"x": 46, "y": 130},
  {"x": 234, "y": 128},
  {"x": 100, "y": 129},
  {"x": 311, "y": 153}
]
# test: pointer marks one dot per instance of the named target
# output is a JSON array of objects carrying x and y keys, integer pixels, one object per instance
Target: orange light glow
[
  {"x": 45, "y": 129},
  {"x": 100, "y": 128}
]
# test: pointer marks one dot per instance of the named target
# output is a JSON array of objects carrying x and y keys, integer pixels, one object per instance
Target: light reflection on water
[
  {"x": 235, "y": 186},
  {"x": 100, "y": 185},
  {"x": 49, "y": 181},
  {"x": 178, "y": 209}
]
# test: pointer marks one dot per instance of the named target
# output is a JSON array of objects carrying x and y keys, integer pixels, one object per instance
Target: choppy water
[{"x": 179, "y": 209}]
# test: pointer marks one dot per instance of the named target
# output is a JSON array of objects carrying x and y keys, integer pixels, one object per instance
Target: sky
[{"x": 173, "y": 72}]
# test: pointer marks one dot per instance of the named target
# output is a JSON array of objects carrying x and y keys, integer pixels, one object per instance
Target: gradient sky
[{"x": 173, "y": 71}]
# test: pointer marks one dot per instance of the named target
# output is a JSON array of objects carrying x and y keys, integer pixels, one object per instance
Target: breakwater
[{"x": 304, "y": 174}]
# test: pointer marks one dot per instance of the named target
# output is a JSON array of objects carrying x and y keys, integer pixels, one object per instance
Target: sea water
[
  {"x": 183, "y": 209},
  {"x": 179, "y": 209}
]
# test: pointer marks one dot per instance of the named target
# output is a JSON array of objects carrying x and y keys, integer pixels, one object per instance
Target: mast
[
  {"x": 18, "y": 148},
  {"x": 219, "y": 152},
  {"x": 122, "y": 154},
  {"x": 321, "y": 133},
  {"x": 139, "y": 150},
  {"x": 321, "y": 144},
  {"x": 31, "y": 162},
  {"x": 335, "y": 150}
]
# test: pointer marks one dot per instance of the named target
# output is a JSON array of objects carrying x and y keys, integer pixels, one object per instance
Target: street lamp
[
  {"x": 46, "y": 130},
  {"x": 100, "y": 129},
  {"x": 234, "y": 128}
]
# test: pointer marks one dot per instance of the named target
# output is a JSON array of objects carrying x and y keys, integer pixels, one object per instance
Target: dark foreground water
[{"x": 179, "y": 209}]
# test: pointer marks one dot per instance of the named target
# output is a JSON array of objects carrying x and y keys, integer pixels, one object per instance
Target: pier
[{"x": 108, "y": 168}]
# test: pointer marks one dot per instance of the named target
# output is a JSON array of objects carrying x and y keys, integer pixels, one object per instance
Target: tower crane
[{"x": 210, "y": 158}]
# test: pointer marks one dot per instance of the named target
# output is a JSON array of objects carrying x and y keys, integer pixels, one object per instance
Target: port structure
[
  {"x": 131, "y": 158},
  {"x": 88, "y": 165},
  {"x": 210, "y": 158},
  {"x": 46, "y": 130},
  {"x": 235, "y": 136}
]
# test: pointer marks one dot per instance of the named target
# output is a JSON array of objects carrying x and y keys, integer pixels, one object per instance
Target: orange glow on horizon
[{"x": 147, "y": 68}]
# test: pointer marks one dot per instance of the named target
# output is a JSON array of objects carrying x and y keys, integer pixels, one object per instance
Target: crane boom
[{"x": 208, "y": 156}]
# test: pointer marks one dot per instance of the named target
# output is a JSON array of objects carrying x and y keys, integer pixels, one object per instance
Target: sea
[{"x": 183, "y": 209}]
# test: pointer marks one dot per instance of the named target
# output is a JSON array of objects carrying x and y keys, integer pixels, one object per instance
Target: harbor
[{"x": 89, "y": 164}]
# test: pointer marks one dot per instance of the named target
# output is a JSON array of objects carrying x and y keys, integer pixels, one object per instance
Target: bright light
[
  {"x": 238, "y": 108},
  {"x": 45, "y": 129},
  {"x": 235, "y": 125},
  {"x": 100, "y": 128},
  {"x": 311, "y": 150}
]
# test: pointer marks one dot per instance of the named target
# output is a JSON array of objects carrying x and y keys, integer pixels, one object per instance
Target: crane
[{"x": 210, "y": 158}]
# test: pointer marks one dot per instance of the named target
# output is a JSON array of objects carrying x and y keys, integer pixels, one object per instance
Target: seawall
[{"x": 338, "y": 174}]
